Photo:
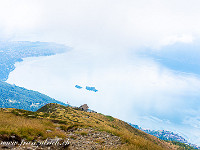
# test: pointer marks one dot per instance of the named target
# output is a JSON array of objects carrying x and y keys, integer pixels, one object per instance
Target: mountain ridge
[
  {"x": 82, "y": 129},
  {"x": 12, "y": 96}
]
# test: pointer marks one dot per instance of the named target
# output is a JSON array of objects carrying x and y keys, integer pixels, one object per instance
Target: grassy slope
[
  {"x": 30, "y": 125},
  {"x": 73, "y": 117},
  {"x": 29, "y": 128}
]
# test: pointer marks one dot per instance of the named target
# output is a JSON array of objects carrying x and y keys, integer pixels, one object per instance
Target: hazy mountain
[
  {"x": 12, "y": 52},
  {"x": 166, "y": 135}
]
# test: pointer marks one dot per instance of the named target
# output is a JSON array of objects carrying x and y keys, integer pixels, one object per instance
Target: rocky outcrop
[{"x": 88, "y": 138}]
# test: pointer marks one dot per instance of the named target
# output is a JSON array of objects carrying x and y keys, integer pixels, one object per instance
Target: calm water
[{"x": 140, "y": 91}]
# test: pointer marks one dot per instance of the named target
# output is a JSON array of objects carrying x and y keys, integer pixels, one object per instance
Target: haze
[{"x": 109, "y": 40}]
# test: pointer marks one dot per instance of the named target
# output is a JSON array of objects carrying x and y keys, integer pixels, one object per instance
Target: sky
[{"x": 142, "y": 56}]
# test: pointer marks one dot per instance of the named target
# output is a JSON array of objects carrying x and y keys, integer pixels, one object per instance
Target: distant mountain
[
  {"x": 166, "y": 135},
  {"x": 12, "y": 52},
  {"x": 12, "y": 96}
]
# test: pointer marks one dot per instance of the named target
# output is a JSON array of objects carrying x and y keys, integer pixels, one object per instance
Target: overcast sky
[
  {"x": 109, "y": 40},
  {"x": 126, "y": 23}
]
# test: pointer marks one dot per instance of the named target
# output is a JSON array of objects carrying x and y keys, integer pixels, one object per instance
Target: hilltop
[{"x": 83, "y": 130}]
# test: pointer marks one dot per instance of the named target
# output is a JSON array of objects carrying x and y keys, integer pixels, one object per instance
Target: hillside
[
  {"x": 82, "y": 130},
  {"x": 12, "y": 96}
]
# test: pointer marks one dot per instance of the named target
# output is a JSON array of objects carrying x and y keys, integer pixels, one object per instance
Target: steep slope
[
  {"x": 83, "y": 130},
  {"x": 73, "y": 118},
  {"x": 12, "y": 96}
]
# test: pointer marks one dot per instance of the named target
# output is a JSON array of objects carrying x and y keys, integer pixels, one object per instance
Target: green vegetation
[
  {"x": 12, "y": 96},
  {"x": 110, "y": 118}
]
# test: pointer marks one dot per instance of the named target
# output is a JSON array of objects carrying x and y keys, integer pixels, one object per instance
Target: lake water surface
[{"x": 140, "y": 91}]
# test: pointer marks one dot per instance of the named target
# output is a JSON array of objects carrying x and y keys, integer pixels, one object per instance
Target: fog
[
  {"x": 106, "y": 37},
  {"x": 140, "y": 91}
]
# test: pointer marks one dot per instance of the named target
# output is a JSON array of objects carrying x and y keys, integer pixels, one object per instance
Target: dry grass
[
  {"x": 132, "y": 138},
  {"x": 69, "y": 118},
  {"x": 29, "y": 128}
]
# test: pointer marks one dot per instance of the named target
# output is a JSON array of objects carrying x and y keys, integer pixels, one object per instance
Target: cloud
[
  {"x": 103, "y": 34},
  {"x": 18, "y": 18},
  {"x": 193, "y": 121},
  {"x": 137, "y": 86},
  {"x": 177, "y": 39},
  {"x": 131, "y": 88},
  {"x": 111, "y": 23}
]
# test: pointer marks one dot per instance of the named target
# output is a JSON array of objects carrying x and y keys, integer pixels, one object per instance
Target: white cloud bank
[
  {"x": 177, "y": 39},
  {"x": 112, "y": 23}
]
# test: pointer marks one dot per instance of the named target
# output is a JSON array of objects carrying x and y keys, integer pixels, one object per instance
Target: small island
[
  {"x": 91, "y": 89},
  {"x": 78, "y": 87}
]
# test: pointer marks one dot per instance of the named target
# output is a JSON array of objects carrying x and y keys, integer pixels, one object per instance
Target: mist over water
[
  {"x": 134, "y": 89},
  {"x": 158, "y": 91}
]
